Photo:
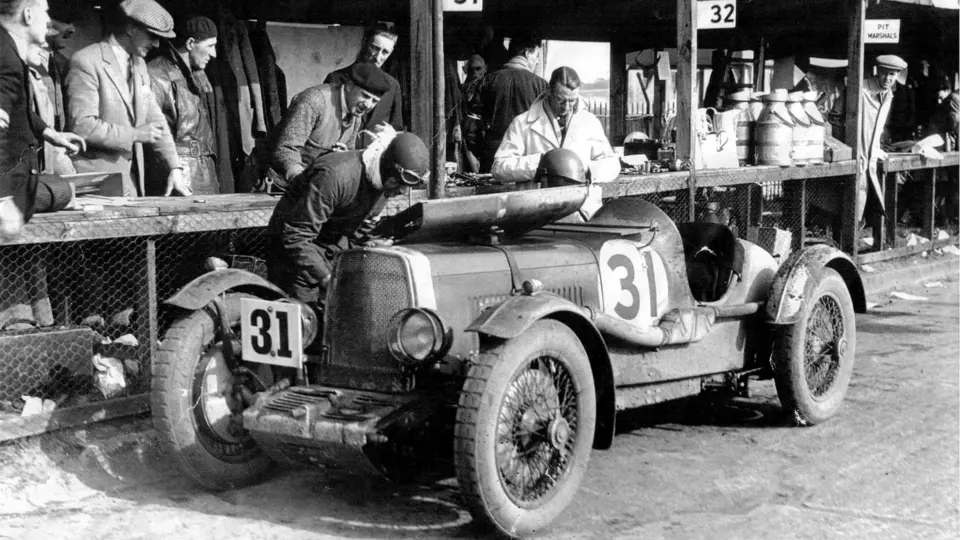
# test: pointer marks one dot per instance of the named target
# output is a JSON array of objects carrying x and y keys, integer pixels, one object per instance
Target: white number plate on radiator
[{"x": 270, "y": 332}]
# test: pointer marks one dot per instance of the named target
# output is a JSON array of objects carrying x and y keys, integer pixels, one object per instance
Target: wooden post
[
  {"x": 438, "y": 171},
  {"x": 421, "y": 69},
  {"x": 850, "y": 225},
  {"x": 618, "y": 93},
  {"x": 687, "y": 93},
  {"x": 930, "y": 205}
]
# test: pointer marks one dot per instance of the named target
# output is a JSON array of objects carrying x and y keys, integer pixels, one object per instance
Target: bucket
[{"x": 774, "y": 132}]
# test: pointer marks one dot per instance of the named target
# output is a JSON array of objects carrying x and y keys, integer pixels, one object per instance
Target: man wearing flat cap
[
  {"x": 378, "y": 43},
  {"x": 876, "y": 98},
  {"x": 111, "y": 104},
  {"x": 179, "y": 84},
  {"x": 322, "y": 119}
]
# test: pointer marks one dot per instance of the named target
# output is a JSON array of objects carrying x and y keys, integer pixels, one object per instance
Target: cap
[
  {"x": 151, "y": 15},
  {"x": 370, "y": 78},
  {"x": 198, "y": 28},
  {"x": 891, "y": 61}
]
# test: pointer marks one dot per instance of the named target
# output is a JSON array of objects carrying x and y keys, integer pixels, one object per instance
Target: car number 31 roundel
[{"x": 633, "y": 280}]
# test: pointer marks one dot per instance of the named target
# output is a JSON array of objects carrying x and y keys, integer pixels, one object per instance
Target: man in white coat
[{"x": 557, "y": 119}]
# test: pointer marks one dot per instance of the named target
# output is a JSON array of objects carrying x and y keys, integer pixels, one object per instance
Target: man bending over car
[{"x": 326, "y": 206}]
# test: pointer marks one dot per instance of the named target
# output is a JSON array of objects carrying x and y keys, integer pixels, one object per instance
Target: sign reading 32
[{"x": 633, "y": 280}]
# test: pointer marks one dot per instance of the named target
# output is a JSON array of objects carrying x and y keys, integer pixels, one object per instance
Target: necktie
[{"x": 131, "y": 79}]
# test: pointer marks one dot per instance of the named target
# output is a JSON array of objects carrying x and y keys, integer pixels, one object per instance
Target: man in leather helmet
[{"x": 329, "y": 207}]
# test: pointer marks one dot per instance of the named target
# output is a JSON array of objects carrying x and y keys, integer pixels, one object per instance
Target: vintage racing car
[{"x": 498, "y": 332}]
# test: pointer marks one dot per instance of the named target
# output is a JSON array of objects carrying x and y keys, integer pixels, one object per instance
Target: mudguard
[
  {"x": 798, "y": 275},
  {"x": 199, "y": 292},
  {"x": 516, "y": 314}
]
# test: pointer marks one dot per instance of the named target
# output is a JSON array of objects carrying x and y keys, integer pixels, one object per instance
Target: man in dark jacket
[
  {"x": 507, "y": 92},
  {"x": 378, "y": 44},
  {"x": 321, "y": 213},
  {"x": 179, "y": 82},
  {"x": 23, "y": 25}
]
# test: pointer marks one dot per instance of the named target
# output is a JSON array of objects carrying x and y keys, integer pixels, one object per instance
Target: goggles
[{"x": 411, "y": 177}]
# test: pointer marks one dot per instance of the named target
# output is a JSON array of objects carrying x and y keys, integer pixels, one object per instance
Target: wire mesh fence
[{"x": 77, "y": 317}]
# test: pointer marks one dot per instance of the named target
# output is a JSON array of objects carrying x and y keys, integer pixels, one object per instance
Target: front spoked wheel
[
  {"x": 813, "y": 358},
  {"x": 525, "y": 428}
]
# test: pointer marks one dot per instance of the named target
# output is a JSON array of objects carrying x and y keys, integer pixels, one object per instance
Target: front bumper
[{"x": 330, "y": 426}]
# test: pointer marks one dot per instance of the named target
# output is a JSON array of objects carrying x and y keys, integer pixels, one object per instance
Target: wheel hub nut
[{"x": 559, "y": 433}]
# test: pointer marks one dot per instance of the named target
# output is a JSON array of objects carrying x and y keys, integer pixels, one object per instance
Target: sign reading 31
[
  {"x": 716, "y": 14},
  {"x": 463, "y": 5},
  {"x": 270, "y": 332}
]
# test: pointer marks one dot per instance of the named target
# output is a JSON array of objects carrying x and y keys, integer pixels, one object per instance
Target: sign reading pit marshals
[{"x": 881, "y": 31}]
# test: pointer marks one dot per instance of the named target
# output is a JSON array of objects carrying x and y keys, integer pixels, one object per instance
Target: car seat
[{"x": 713, "y": 256}]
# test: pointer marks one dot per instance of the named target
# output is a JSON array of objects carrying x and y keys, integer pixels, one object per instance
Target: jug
[
  {"x": 818, "y": 127},
  {"x": 802, "y": 136},
  {"x": 745, "y": 121},
  {"x": 774, "y": 131}
]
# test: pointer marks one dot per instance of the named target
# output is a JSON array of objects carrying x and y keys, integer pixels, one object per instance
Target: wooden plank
[
  {"x": 18, "y": 427},
  {"x": 897, "y": 253},
  {"x": 439, "y": 175},
  {"x": 618, "y": 93},
  {"x": 421, "y": 69},
  {"x": 70, "y": 231},
  {"x": 687, "y": 93},
  {"x": 913, "y": 162},
  {"x": 856, "y": 13}
]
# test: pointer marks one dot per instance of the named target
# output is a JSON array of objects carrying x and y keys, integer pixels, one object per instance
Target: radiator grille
[{"x": 369, "y": 288}]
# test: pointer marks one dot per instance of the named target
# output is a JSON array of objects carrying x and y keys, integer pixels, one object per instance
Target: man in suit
[
  {"x": 110, "y": 102},
  {"x": 23, "y": 25},
  {"x": 377, "y": 46}
]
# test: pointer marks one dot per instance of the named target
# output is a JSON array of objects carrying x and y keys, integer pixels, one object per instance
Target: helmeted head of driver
[
  {"x": 405, "y": 163},
  {"x": 560, "y": 167}
]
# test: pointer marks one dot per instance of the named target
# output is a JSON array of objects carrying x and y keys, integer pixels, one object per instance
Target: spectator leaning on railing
[{"x": 23, "y": 23}]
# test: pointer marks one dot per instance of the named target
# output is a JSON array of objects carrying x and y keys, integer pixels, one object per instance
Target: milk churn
[
  {"x": 774, "y": 131},
  {"x": 756, "y": 107},
  {"x": 801, "y": 129},
  {"x": 744, "y": 125},
  {"x": 818, "y": 126}
]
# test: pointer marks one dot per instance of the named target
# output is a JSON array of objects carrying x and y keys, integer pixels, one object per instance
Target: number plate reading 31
[
  {"x": 634, "y": 282},
  {"x": 716, "y": 14},
  {"x": 270, "y": 332}
]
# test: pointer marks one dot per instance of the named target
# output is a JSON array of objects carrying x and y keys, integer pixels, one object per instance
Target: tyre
[
  {"x": 524, "y": 429},
  {"x": 813, "y": 358},
  {"x": 189, "y": 407}
]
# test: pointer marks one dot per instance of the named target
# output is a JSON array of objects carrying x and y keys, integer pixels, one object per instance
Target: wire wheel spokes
[
  {"x": 824, "y": 345},
  {"x": 537, "y": 429}
]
